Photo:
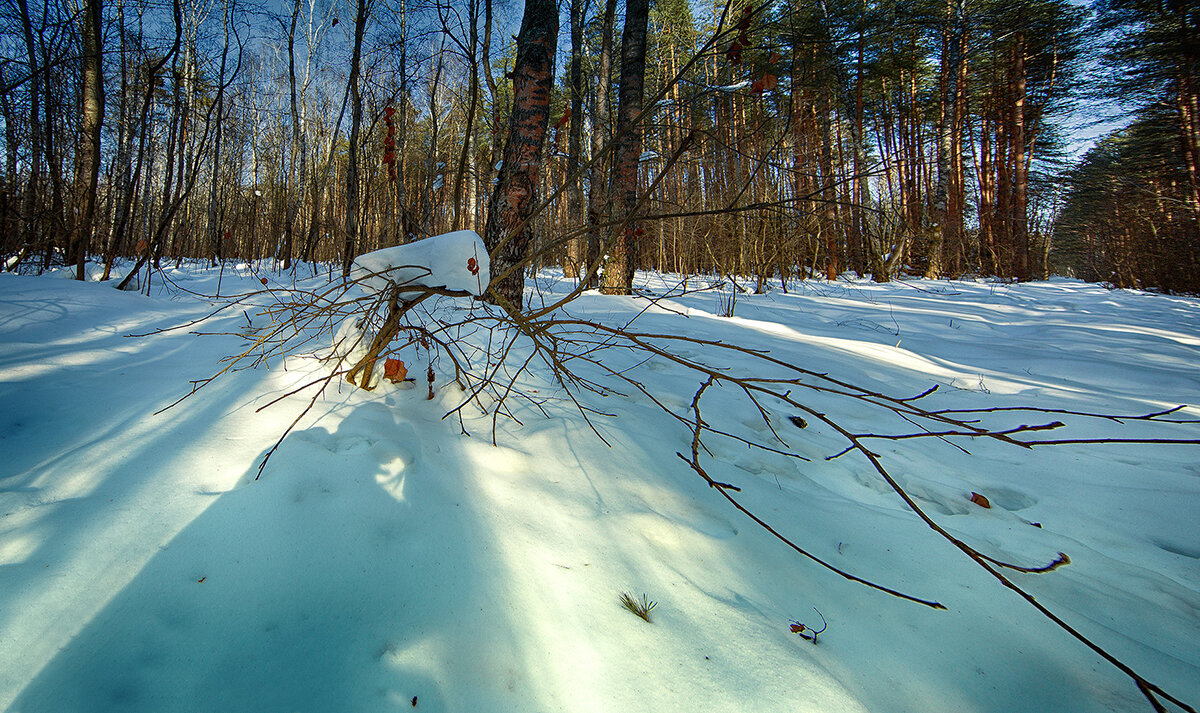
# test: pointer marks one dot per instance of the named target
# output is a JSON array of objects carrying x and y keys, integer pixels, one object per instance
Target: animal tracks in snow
[
  {"x": 1177, "y": 548},
  {"x": 349, "y": 445},
  {"x": 1011, "y": 500}
]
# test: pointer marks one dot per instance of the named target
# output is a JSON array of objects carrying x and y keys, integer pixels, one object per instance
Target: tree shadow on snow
[{"x": 349, "y": 577}]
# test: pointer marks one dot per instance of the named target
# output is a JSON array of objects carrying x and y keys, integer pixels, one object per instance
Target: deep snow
[{"x": 385, "y": 560}]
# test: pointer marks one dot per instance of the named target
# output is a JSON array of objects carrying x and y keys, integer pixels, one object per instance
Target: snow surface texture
[
  {"x": 384, "y": 560},
  {"x": 455, "y": 261}
]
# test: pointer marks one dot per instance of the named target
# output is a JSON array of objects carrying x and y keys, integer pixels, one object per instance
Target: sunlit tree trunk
[
  {"x": 91, "y": 120},
  {"x": 828, "y": 216},
  {"x": 1020, "y": 216},
  {"x": 508, "y": 234},
  {"x": 599, "y": 213},
  {"x": 577, "y": 244},
  {"x": 627, "y": 150}
]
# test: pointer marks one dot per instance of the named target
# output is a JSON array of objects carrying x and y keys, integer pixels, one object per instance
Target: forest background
[{"x": 882, "y": 137}]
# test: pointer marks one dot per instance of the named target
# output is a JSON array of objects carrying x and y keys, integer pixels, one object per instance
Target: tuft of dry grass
[{"x": 640, "y": 608}]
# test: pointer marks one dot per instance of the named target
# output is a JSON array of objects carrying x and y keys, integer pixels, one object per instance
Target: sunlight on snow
[
  {"x": 391, "y": 478},
  {"x": 15, "y": 550},
  {"x": 51, "y": 365},
  {"x": 581, "y": 525}
]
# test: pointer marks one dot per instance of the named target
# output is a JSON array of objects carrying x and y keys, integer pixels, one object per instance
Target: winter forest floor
[{"x": 384, "y": 561}]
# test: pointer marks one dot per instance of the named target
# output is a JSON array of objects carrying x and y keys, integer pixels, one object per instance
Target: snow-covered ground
[{"x": 384, "y": 561}]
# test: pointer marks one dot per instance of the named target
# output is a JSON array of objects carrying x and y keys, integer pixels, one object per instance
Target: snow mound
[{"x": 454, "y": 261}]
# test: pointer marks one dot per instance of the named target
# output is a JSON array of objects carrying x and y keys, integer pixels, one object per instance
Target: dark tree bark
[
  {"x": 1020, "y": 219},
  {"x": 91, "y": 119},
  {"x": 356, "y": 110},
  {"x": 9, "y": 232},
  {"x": 490, "y": 173},
  {"x": 955, "y": 238},
  {"x": 829, "y": 204},
  {"x": 945, "y": 248},
  {"x": 627, "y": 150},
  {"x": 598, "y": 205},
  {"x": 55, "y": 227},
  {"x": 401, "y": 192},
  {"x": 577, "y": 246},
  {"x": 859, "y": 244},
  {"x": 299, "y": 144},
  {"x": 508, "y": 235},
  {"x": 470, "y": 50},
  {"x": 29, "y": 220},
  {"x": 216, "y": 242}
]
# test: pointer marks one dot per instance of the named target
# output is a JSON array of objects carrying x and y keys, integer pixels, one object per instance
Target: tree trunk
[
  {"x": 469, "y": 123},
  {"x": 29, "y": 221},
  {"x": 91, "y": 120},
  {"x": 627, "y": 150},
  {"x": 1020, "y": 218},
  {"x": 598, "y": 205},
  {"x": 216, "y": 242},
  {"x": 356, "y": 110},
  {"x": 987, "y": 190},
  {"x": 945, "y": 257},
  {"x": 858, "y": 246},
  {"x": 508, "y": 234},
  {"x": 573, "y": 266},
  {"x": 956, "y": 239},
  {"x": 405, "y": 227},
  {"x": 828, "y": 218},
  {"x": 8, "y": 225},
  {"x": 294, "y": 190},
  {"x": 1001, "y": 159},
  {"x": 491, "y": 172},
  {"x": 1188, "y": 107}
]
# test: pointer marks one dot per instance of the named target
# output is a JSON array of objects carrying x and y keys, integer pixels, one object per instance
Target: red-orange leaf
[
  {"x": 394, "y": 371},
  {"x": 980, "y": 500}
]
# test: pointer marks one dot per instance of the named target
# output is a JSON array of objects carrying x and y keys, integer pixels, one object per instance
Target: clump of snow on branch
[
  {"x": 454, "y": 261},
  {"x": 457, "y": 262}
]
